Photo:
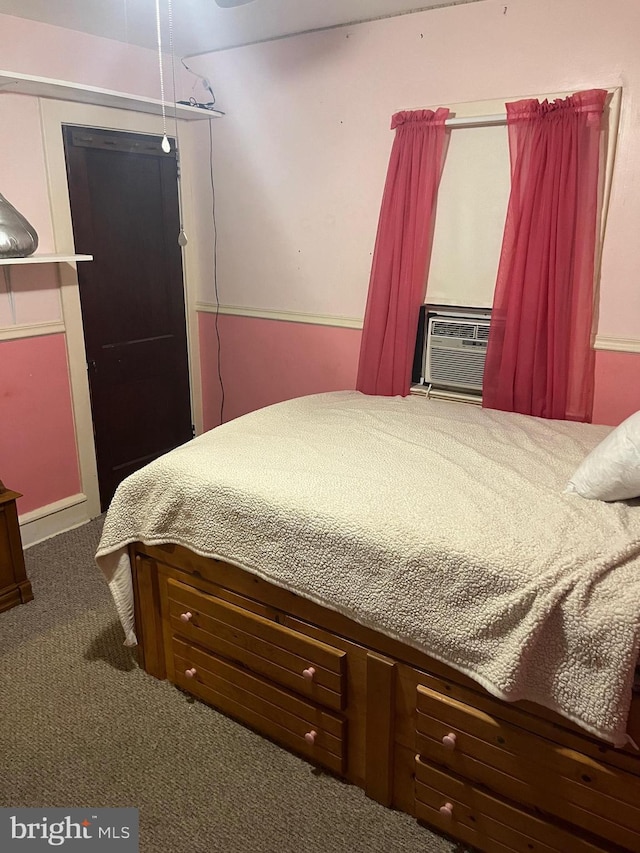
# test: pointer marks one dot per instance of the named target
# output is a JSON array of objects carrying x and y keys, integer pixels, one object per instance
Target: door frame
[{"x": 53, "y": 115}]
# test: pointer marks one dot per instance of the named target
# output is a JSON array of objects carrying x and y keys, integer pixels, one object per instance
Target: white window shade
[{"x": 470, "y": 217}]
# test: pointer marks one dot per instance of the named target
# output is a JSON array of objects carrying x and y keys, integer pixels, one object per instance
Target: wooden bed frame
[{"x": 413, "y": 733}]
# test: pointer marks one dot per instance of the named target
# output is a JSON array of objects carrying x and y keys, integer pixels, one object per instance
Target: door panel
[{"x": 124, "y": 207}]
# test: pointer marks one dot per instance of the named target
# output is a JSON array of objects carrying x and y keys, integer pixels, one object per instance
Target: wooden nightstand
[{"x": 15, "y": 588}]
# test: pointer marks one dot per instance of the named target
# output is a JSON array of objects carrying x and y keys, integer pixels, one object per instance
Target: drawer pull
[
  {"x": 190, "y": 673},
  {"x": 447, "y": 810},
  {"x": 309, "y": 673},
  {"x": 449, "y": 741},
  {"x": 186, "y": 617},
  {"x": 310, "y": 737}
]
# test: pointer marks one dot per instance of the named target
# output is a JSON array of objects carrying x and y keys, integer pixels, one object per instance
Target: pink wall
[
  {"x": 38, "y": 454},
  {"x": 298, "y": 192},
  {"x": 37, "y": 438},
  {"x": 267, "y": 361},
  {"x": 617, "y": 392},
  {"x": 301, "y": 156}
]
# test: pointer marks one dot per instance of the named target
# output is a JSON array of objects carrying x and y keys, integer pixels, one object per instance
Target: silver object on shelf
[{"x": 18, "y": 239}]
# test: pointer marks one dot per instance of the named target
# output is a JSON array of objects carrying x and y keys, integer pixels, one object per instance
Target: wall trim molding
[
  {"x": 602, "y": 342},
  {"x": 52, "y": 519},
  {"x": 282, "y": 316},
  {"x": 612, "y": 344},
  {"x": 32, "y": 330}
]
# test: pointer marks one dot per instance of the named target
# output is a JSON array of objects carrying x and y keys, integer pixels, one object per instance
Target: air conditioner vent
[
  {"x": 453, "y": 329},
  {"x": 457, "y": 366}
]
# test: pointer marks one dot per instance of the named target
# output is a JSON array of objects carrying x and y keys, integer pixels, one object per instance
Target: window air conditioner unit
[{"x": 455, "y": 351}]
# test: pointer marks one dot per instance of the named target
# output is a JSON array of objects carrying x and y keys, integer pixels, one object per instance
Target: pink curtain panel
[
  {"x": 539, "y": 356},
  {"x": 402, "y": 252}
]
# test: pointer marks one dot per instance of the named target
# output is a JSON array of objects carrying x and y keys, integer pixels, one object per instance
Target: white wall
[{"x": 301, "y": 156}]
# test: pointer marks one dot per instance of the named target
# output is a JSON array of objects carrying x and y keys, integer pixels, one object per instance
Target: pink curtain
[
  {"x": 402, "y": 250},
  {"x": 539, "y": 357}
]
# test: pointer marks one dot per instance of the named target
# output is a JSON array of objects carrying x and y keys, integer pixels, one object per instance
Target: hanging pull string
[
  {"x": 166, "y": 147},
  {"x": 182, "y": 237}
]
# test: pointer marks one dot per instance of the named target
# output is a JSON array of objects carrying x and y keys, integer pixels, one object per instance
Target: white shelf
[
  {"x": 63, "y": 90},
  {"x": 47, "y": 259}
]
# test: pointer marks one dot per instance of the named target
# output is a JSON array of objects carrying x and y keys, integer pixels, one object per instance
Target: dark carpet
[{"x": 81, "y": 725}]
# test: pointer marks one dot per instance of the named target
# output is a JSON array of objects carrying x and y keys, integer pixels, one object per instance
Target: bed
[{"x": 402, "y": 591}]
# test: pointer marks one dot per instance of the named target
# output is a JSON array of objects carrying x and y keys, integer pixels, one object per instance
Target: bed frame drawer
[
  {"x": 520, "y": 778},
  {"x": 307, "y": 666},
  {"x": 531, "y": 770},
  {"x": 477, "y": 818},
  {"x": 303, "y": 727}
]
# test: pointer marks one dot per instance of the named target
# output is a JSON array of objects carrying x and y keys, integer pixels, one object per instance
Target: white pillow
[{"x": 611, "y": 472}]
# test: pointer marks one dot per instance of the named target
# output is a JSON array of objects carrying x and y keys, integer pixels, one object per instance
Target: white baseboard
[{"x": 52, "y": 519}]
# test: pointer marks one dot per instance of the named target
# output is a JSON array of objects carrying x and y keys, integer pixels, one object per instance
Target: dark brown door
[{"x": 124, "y": 207}]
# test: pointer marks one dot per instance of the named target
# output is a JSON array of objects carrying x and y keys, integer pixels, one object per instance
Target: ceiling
[{"x": 201, "y": 26}]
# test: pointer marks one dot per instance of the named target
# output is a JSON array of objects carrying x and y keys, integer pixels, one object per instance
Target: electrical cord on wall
[
  {"x": 210, "y": 105},
  {"x": 193, "y": 101},
  {"x": 215, "y": 268}
]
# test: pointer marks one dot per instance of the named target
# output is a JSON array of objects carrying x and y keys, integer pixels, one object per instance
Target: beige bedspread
[{"x": 438, "y": 523}]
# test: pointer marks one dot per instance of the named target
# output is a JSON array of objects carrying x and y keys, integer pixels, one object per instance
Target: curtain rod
[{"x": 476, "y": 121}]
